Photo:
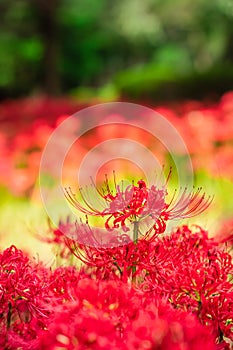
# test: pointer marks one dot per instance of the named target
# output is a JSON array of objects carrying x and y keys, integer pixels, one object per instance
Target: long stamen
[{"x": 137, "y": 203}]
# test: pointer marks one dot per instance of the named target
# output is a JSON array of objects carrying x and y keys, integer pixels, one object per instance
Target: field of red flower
[
  {"x": 135, "y": 283},
  {"x": 26, "y": 125}
]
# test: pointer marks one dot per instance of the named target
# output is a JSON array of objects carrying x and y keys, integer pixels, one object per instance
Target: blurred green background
[{"x": 151, "y": 49}]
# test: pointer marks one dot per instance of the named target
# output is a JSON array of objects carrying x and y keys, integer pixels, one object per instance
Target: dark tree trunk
[
  {"x": 46, "y": 14},
  {"x": 229, "y": 48}
]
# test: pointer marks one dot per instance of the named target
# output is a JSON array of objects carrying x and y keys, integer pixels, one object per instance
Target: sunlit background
[{"x": 59, "y": 56}]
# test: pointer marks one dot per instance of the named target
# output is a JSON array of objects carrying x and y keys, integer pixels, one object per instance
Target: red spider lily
[
  {"x": 28, "y": 294},
  {"x": 20, "y": 284},
  {"x": 162, "y": 328},
  {"x": 23, "y": 299},
  {"x": 195, "y": 275},
  {"x": 109, "y": 254},
  {"x": 186, "y": 267},
  {"x": 61, "y": 282},
  {"x": 27, "y": 123},
  {"x": 124, "y": 262},
  {"x": 138, "y": 205},
  {"x": 185, "y": 270},
  {"x": 133, "y": 203},
  {"x": 112, "y": 315}
]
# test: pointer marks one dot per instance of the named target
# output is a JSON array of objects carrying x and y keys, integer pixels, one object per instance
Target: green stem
[
  {"x": 135, "y": 239},
  {"x": 118, "y": 267},
  {"x": 8, "y": 320},
  {"x": 8, "y": 323},
  {"x": 135, "y": 232}
]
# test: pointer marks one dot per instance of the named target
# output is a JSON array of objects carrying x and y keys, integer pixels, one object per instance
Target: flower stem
[
  {"x": 9, "y": 314},
  {"x": 135, "y": 239},
  {"x": 135, "y": 232}
]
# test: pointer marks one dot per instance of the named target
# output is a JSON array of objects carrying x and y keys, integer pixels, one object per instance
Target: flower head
[{"x": 121, "y": 207}]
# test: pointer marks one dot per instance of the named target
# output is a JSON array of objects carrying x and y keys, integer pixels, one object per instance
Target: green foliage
[
  {"x": 161, "y": 82},
  {"x": 102, "y": 43}
]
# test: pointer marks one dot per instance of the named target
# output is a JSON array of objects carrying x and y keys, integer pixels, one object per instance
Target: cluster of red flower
[
  {"x": 207, "y": 131},
  {"x": 137, "y": 288},
  {"x": 182, "y": 298},
  {"x": 27, "y": 124},
  {"x": 150, "y": 292}
]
